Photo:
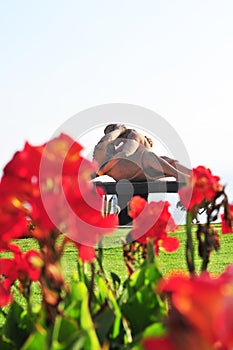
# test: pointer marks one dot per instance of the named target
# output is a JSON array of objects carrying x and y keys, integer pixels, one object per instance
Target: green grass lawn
[{"x": 113, "y": 258}]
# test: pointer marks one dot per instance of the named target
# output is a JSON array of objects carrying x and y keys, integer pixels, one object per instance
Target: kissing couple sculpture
[{"x": 127, "y": 154}]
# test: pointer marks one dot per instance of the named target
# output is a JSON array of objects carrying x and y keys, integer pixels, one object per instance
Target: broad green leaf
[
  {"x": 104, "y": 293},
  {"x": 76, "y": 307},
  {"x": 6, "y": 344},
  {"x": 17, "y": 325},
  {"x": 148, "y": 273},
  {"x": 139, "y": 303},
  {"x": 64, "y": 329},
  {"x": 142, "y": 309},
  {"x": 86, "y": 322},
  {"x": 104, "y": 322},
  {"x": 36, "y": 341},
  {"x": 156, "y": 329}
]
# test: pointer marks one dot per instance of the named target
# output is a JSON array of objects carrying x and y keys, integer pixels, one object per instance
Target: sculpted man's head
[
  {"x": 111, "y": 127},
  {"x": 147, "y": 141}
]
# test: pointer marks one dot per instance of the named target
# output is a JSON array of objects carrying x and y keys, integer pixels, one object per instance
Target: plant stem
[
  {"x": 49, "y": 338},
  {"x": 91, "y": 287},
  {"x": 99, "y": 257},
  {"x": 150, "y": 252},
  {"x": 189, "y": 253},
  {"x": 206, "y": 251},
  {"x": 80, "y": 268},
  {"x": 99, "y": 260}
]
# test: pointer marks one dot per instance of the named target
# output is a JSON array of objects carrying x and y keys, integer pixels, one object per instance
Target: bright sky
[{"x": 173, "y": 57}]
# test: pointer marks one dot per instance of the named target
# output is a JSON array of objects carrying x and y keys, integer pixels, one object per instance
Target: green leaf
[
  {"x": 147, "y": 274},
  {"x": 139, "y": 303},
  {"x": 86, "y": 322},
  {"x": 156, "y": 329},
  {"x": 142, "y": 309},
  {"x": 36, "y": 341},
  {"x": 102, "y": 290},
  {"x": 104, "y": 322},
  {"x": 72, "y": 302},
  {"x": 6, "y": 344},
  {"x": 18, "y": 325},
  {"x": 115, "y": 280},
  {"x": 105, "y": 293},
  {"x": 64, "y": 329}
]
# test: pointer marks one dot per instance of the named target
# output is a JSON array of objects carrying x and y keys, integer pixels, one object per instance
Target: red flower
[
  {"x": 7, "y": 277},
  {"x": 5, "y": 292},
  {"x": 158, "y": 343},
  {"x": 25, "y": 164},
  {"x": 23, "y": 266},
  {"x": 28, "y": 265},
  {"x": 14, "y": 194},
  {"x": 61, "y": 156},
  {"x": 71, "y": 200},
  {"x": 86, "y": 224},
  {"x": 49, "y": 188},
  {"x": 153, "y": 220},
  {"x": 180, "y": 337},
  {"x": 227, "y": 220},
  {"x": 86, "y": 253},
  {"x": 206, "y": 303},
  {"x": 202, "y": 186},
  {"x": 61, "y": 153}
]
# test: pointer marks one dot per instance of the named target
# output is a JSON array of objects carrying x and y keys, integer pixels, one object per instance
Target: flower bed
[{"x": 46, "y": 194}]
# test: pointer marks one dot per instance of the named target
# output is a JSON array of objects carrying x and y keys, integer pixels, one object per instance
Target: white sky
[{"x": 171, "y": 56}]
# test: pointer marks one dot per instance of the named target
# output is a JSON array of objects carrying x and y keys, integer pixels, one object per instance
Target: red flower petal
[
  {"x": 158, "y": 343},
  {"x": 152, "y": 220},
  {"x": 170, "y": 244},
  {"x": 226, "y": 225},
  {"x": 137, "y": 204},
  {"x": 86, "y": 253},
  {"x": 5, "y": 294},
  {"x": 206, "y": 303},
  {"x": 202, "y": 186}
]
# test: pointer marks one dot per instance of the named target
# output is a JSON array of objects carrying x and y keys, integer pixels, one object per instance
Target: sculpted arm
[{"x": 132, "y": 143}]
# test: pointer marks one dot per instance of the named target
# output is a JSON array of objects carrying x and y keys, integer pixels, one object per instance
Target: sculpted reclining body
[{"x": 127, "y": 154}]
